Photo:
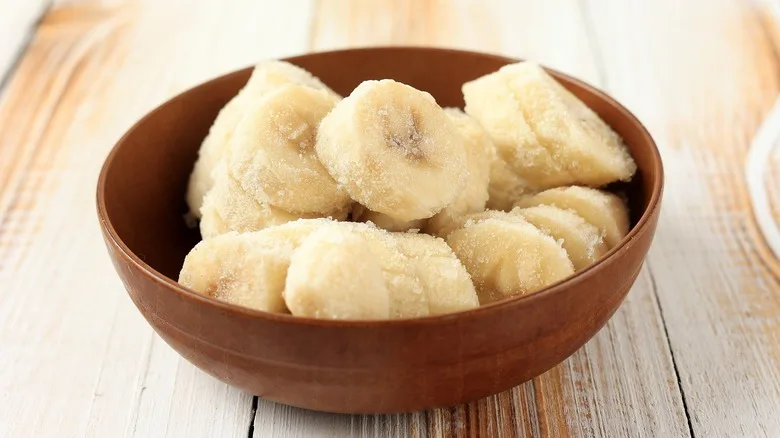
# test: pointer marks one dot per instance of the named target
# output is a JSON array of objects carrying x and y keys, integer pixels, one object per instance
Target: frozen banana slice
[
  {"x": 506, "y": 256},
  {"x": 272, "y": 153},
  {"x": 480, "y": 153},
  {"x": 394, "y": 150},
  {"x": 492, "y": 101},
  {"x": 506, "y": 187},
  {"x": 604, "y": 210},
  {"x": 296, "y": 232},
  {"x": 575, "y": 136},
  {"x": 266, "y": 76},
  {"x": 335, "y": 275},
  {"x": 407, "y": 293},
  {"x": 581, "y": 240},
  {"x": 389, "y": 223},
  {"x": 227, "y": 207},
  {"x": 444, "y": 279},
  {"x": 247, "y": 269}
]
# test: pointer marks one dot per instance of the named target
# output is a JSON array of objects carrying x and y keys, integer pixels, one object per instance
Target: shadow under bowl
[{"x": 354, "y": 366}]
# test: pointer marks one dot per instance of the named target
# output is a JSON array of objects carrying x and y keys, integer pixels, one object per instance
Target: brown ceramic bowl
[{"x": 354, "y": 366}]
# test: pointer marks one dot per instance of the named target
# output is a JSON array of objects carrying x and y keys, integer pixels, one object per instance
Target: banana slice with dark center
[{"x": 393, "y": 150}]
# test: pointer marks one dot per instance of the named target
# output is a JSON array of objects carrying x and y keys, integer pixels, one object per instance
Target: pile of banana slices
[{"x": 384, "y": 205}]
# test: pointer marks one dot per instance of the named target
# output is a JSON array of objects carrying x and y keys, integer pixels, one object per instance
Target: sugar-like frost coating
[
  {"x": 490, "y": 100},
  {"x": 246, "y": 269},
  {"x": 506, "y": 186},
  {"x": 546, "y": 135},
  {"x": 266, "y": 76},
  {"x": 581, "y": 240},
  {"x": 335, "y": 275},
  {"x": 480, "y": 153},
  {"x": 575, "y": 136},
  {"x": 228, "y": 207},
  {"x": 394, "y": 150},
  {"x": 272, "y": 152},
  {"x": 445, "y": 281},
  {"x": 606, "y": 211},
  {"x": 507, "y": 256},
  {"x": 383, "y": 221}
]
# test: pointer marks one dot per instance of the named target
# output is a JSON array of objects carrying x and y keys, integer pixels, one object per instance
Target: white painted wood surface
[
  {"x": 78, "y": 360},
  {"x": 17, "y": 24}
]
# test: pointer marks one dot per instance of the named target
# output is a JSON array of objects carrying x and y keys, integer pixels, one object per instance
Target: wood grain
[
  {"x": 703, "y": 93},
  {"x": 77, "y": 357},
  {"x": 79, "y": 360},
  {"x": 628, "y": 363},
  {"x": 18, "y": 22}
]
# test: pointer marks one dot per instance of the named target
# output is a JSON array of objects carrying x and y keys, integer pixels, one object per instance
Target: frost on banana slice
[
  {"x": 227, "y": 207},
  {"x": 272, "y": 152},
  {"x": 407, "y": 293},
  {"x": 335, "y": 275},
  {"x": 247, "y": 269},
  {"x": 546, "y": 134},
  {"x": 480, "y": 153},
  {"x": 394, "y": 150},
  {"x": 581, "y": 240},
  {"x": 267, "y": 76},
  {"x": 491, "y": 100},
  {"x": 443, "y": 277},
  {"x": 506, "y": 186},
  {"x": 296, "y": 232},
  {"x": 574, "y": 135},
  {"x": 604, "y": 210},
  {"x": 244, "y": 269},
  {"x": 383, "y": 221},
  {"x": 507, "y": 256}
]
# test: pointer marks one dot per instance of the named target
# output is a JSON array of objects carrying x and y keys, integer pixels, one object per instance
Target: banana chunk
[
  {"x": 545, "y": 133},
  {"x": 480, "y": 153},
  {"x": 506, "y": 187},
  {"x": 445, "y": 281},
  {"x": 407, "y": 294},
  {"x": 492, "y": 101},
  {"x": 248, "y": 270},
  {"x": 272, "y": 153},
  {"x": 581, "y": 240},
  {"x": 335, "y": 275},
  {"x": 506, "y": 256},
  {"x": 394, "y": 150},
  {"x": 266, "y": 76},
  {"x": 389, "y": 223},
  {"x": 604, "y": 210},
  {"x": 575, "y": 135},
  {"x": 227, "y": 207}
]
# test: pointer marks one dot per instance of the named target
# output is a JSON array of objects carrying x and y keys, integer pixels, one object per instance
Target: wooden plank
[
  {"x": 702, "y": 74},
  {"x": 17, "y": 21},
  {"x": 622, "y": 382},
  {"x": 77, "y": 357}
]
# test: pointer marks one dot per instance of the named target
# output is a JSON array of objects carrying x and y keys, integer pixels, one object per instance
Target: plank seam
[
  {"x": 252, "y": 415},
  {"x": 675, "y": 367}
]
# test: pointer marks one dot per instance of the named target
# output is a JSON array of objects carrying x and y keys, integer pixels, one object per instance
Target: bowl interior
[{"x": 145, "y": 177}]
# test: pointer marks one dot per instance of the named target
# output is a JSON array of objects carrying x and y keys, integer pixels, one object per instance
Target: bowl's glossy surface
[{"x": 366, "y": 367}]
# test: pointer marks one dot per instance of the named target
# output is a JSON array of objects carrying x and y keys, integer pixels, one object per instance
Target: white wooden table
[{"x": 695, "y": 349}]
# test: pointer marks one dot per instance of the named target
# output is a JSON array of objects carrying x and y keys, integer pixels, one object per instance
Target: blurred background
[{"x": 695, "y": 349}]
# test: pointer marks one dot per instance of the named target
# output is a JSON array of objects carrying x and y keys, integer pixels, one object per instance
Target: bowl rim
[{"x": 112, "y": 237}]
